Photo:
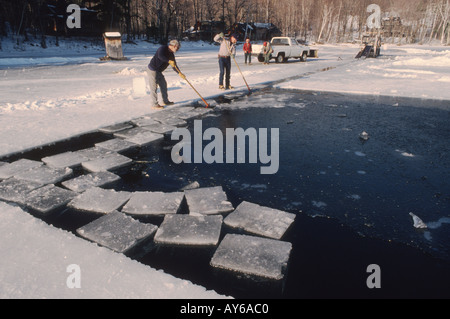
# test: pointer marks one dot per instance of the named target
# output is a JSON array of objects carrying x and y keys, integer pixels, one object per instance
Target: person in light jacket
[
  {"x": 267, "y": 52},
  {"x": 226, "y": 51}
]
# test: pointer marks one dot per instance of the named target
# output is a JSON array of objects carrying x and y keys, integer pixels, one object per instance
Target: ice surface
[
  {"x": 68, "y": 159},
  {"x": 174, "y": 122},
  {"x": 187, "y": 230},
  {"x": 144, "y": 121},
  {"x": 259, "y": 220},
  {"x": 145, "y": 137},
  {"x": 109, "y": 162},
  {"x": 30, "y": 246},
  {"x": 84, "y": 182},
  {"x": 117, "y": 231},
  {"x": 93, "y": 153},
  {"x": 160, "y": 128},
  {"x": 153, "y": 203},
  {"x": 9, "y": 170},
  {"x": 116, "y": 128},
  {"x": 45, "y": 175},
  {"x": 196, "y": 112},
  {"x": 117, "y": 145},
  {"x": 98, "y": 200},
  {"x": 262, "y": 257},
  {"x": 208, "y": 201},
  {"x": 48, "y": 199},
  {"x": 14, "y": 190},
  {"x": 418, "y": 223},
  {"x": 176, "y": 112},
  {"x": 132, "y": 132}
]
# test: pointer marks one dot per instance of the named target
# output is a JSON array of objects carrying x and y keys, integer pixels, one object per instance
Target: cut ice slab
[
  {"x": 160, "y": 128},
  {"x": 144, "y": 121},
  {"x": 117, "y": 145},
  {"x": 68, "y": 159},
  {"x": 139, "y": 136},
  {"x": 174, "y": 122},
  {"x": 259, "y": 220},
  {"x": 109, "y": 162},
  {"x": 208, "y": 201},
  {"x": 186, "y": 230},
  {"x": 14, "y": 190},
  {"x": 84, "y": 182},
  {"x": 116, "y": 128},
  {"x": 100, "y": 201},
  {"x": 45, "y": 175},
  {"x": 257, "y": 256},
  {"x": 117, "y": 232},
  {"x": 153, "y": 203},
  {"x": 11, "y": 169},
  {"x": 48, "y": 199}
]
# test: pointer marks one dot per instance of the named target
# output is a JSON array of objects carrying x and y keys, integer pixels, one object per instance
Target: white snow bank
[
  {"x": 35, "y": 258},
  {"x": 400, "y": 71}
]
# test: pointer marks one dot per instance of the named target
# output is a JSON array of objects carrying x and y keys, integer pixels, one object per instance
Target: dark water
[{"x": 352, "y": 198}]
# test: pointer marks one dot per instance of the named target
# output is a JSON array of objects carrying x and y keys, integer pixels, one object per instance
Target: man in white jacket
[{"x": 227, "y": 49}]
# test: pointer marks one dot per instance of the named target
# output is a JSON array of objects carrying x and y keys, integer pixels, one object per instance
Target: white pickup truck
[{"x": 283, "y": 49}]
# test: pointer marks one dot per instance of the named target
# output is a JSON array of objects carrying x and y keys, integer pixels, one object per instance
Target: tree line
[{"x": 418, "y": 21}]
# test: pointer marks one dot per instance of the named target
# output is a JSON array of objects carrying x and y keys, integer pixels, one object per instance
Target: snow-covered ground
[{"x": 54, "y": 94}]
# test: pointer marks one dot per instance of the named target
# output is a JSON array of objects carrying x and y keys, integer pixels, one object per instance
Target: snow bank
[
  {"x": 35, "y": 258},
  {"x": 400, "y": 71}
]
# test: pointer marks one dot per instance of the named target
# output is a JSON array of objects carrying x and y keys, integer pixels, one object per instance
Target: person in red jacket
[{"x": 248, "y": 51}]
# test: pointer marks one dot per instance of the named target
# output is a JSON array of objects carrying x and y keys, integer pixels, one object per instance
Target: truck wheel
[
  {"x": 260, "y": 58},
  {"x": 280, "y": 58},
  {"x": 304, "y": 57}
]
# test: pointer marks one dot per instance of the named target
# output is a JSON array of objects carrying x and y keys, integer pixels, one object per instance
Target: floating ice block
[
  {"x": 259, "y": 220},
  {"x": 117, "y": 232},
  {"x": 45, "y": 175},
  {"x": 107, "y": 163},
  {"x": 187, "y": 230},
  {"x": 117, "y": 145},
  {"x": 208, "y": 201},
  {"x": 84, "y": 182},
  {"x": 144, "y": 138},
  {"x": 93, "y": 153},
  {"x": 257, "y": 256},
  {"x": 68, "y": 159},
  {"x": 14, "y": 190},
  {"x": 144, "y": 121},
  {"x": 196, "y": 112},
  {"x": 130, "y": 133},
  {"x": 100, "y": 201},
  {"x": 153, "y": 203},
  {"x": 160, "y": 128},
  {"x": 49, "y": 198},
  {"x": 116, "y": 128},
  {"x": 173, "y": 122},
  {"x": 9, "y": 170}
]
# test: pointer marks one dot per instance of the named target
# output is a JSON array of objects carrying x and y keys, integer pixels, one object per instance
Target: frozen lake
[{"x": 351, "y": 193}]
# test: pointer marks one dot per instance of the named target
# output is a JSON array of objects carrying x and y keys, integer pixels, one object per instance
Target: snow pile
[
  {"x": 399, "y": 71},
  {"x": 36, "y": 256}
]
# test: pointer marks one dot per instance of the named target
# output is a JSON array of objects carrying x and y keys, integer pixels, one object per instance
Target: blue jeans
[{"x": 225, "y": 69}]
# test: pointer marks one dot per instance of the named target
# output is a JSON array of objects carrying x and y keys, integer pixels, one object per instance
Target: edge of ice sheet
[{"x": 39, "y": 268}]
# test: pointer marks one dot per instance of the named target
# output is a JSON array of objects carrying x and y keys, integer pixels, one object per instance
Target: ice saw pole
[
  {"x": 206, "y": 103},
  {"x": 229, "y": 50}
]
